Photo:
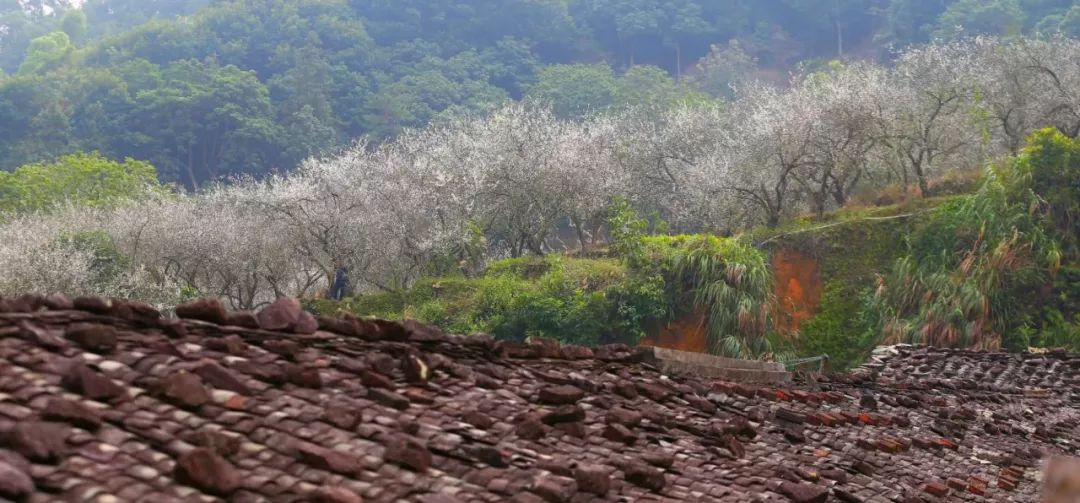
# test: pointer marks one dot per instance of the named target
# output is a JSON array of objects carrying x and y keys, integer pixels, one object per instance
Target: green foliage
[
  {"x": 581, "y": 301},
  {"x": 969, "y": 273},
  {"x": 107, "y": 263},
  {"x": 74, "y": 25},
  {"x": 309, "y": 76},
  {"x": 106, "y": 17},
  {"x": 651, "y": 87},
  {"x": 591, "y": 301},
  {"x": 980, "y": 17},
  {"x": 415, "y": 100},
  {"x": 46, "y": 52},
  {"x": 203, "y": 122},
  {"x": 843, "y": 328},
  {"x": 726, "y": 279},
  {"x": 729, "y": 281},
  {"x": 526, "y": 267},
  {"x": 580, "y": 90},
  {"x": 850, "y": 247},
  {"x": 80, "y": 179},
  {"x": 988, "y": 268},
  {"x": 910, "y": 21},
  {"x": 575, "y": 90},
  {"x": 723, "y": 67},
  {"x": 1052, "y": 160},
  {"x": 627, "y": 231}
]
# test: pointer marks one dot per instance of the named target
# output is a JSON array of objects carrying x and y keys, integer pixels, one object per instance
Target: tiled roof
[{"x": 105, "y": 401}]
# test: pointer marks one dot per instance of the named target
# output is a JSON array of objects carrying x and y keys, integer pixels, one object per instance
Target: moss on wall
[{"x": 848, "y": 250}]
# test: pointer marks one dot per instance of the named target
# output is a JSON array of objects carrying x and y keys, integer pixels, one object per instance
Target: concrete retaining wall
[{"x": 718, "y": 367}]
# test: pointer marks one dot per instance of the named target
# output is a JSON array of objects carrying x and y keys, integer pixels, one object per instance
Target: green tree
[
  {"x": 205, "y": 122},
  {"x": 80, "y": 179},
  {"x": 107, "y": 17},
  {"x": 909, "y": 21},
  {"x": 835, "y": 17},
  {"x": 666, "y": 33},
  {"x": 722, "y": 68},
  {"x": 36, "y": 120},
  {"x": 414, "y": 100},
  {"x": 46, "y": 52},
  {"x": 460, "y": 25},
  {"x": 575, "y": 90},
  {"x": 304, "y": 94},
  {"x": 74, "y": 25},
  {"x": 1053, "y": 160},
  {"x": 648, "y": 86},
  {"x": 973, "y": 17}
]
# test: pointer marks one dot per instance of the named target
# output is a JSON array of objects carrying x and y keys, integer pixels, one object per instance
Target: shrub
[
  {"x": 843, "y": 329},
  {"x": 592, "y": 301},
  {"x": 969, "y": 273},
  {"x": 78, "y": 179},
  {"x": 727, "y": 278},
  {"x": 106, "y": 263},
  {"x": 1052, "y": 160}
]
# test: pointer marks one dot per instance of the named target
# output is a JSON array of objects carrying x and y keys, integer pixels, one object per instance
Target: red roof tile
[{"x": 112, "y": 401}]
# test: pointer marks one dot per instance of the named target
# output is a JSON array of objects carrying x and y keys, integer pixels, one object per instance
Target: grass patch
[{"x": 597, "y": 300}]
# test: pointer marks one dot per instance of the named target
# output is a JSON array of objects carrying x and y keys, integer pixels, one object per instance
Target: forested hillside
[
  {"x": 205, "y": 90},
  {"x": 968, "y": 147},
  {"x": 587, "y": 170}
]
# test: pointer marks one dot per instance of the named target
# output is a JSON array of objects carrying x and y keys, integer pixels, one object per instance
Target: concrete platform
[{"x": 717, "y": 367}]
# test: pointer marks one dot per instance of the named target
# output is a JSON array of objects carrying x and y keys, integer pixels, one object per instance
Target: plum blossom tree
[
  {"x": 925, "y": 126},
  {"x": 771, "y": 149},
  {"x": 1057, "y": 64},
  {"x": 522, "y": 179},
  {"x": 665, "y": 160}
]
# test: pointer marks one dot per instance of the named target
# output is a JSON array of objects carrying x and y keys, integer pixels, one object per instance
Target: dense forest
[{"x": 206, "y": 90}]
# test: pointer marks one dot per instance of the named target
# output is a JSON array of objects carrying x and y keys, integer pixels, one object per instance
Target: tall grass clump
[
  {"x": 972, "y": 273},
  {"x": 730, "y": 283}
]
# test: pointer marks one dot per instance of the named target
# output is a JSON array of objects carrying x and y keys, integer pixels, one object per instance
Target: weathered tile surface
[{"x": 111, "y": 403}]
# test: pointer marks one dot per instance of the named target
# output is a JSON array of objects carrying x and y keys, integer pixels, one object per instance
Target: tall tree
[
  {"x": 46, "y": 52},
  {"x": 979, "y": 17},
  {"x": 204, "y": 123},
  {"x": 575, "y": 90},
  {"x": 910, "y": 21},
  {"x": 839, "y": 17},
  {"x": 106, "y": 17}
]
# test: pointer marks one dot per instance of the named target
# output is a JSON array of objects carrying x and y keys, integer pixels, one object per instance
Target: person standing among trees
[{"x": 341, "y": 282}]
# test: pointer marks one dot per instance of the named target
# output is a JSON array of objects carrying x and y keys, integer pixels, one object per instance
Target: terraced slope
[{"x": 105, "y": 401}]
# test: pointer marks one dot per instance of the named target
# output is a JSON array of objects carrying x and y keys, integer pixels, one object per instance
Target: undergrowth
[
  {"x": 997, "y": 266},
  {"x": 972, "y": 275},
  {"x": 591, "y": 301}
]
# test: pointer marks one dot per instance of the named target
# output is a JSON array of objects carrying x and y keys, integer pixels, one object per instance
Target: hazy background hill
[{"x": 207, "y": 89}]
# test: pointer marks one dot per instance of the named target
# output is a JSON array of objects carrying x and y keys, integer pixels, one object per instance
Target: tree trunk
[
  {"x": 580, "y": 234},
  {"x": 678, "y": 62},
  {"x": 822, "y": 196},
  {"x": 839, "y": 38},
  {"x": 924, "y": 184},
  {"x": 191, "y": 171},
  {"x": 597, "y": 224}
]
